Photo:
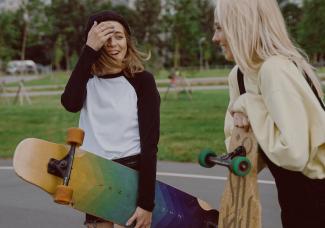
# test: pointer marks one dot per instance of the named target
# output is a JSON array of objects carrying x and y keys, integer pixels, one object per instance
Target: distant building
[
  {"x": 298, "y": 2},
  {"x": 128, "y": 3},
  {"x": 13, "y": 5}
]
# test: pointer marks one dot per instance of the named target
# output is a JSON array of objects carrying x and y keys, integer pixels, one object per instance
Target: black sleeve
[
  {"x": 75, "y": 91},
  {"x": 149, "y": 124}
]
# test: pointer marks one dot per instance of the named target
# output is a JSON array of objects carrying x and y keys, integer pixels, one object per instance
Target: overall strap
[
  {"x": 313, "y": 88},
  {"x": 242, "y": 90},
  {"x": 240, "y": 80}
]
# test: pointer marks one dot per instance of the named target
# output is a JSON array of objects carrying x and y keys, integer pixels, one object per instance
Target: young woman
[
  {"x": 274, "y": 91},
  {"x": 119, "y": 104}
]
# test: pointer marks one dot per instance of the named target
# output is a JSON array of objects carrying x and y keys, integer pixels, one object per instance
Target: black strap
[
  {"x": 242, "y": 90},
  {"x": 311, "y": 84},
  {"x": 313, "y": 88},
  {"x": 240, "y": 80}
]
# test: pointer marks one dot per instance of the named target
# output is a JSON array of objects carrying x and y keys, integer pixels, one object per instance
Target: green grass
[
  {"x": 207, "y": 73},
  {"x": 55, "y": 78},
  {"x": 45, "y": 119},
  {"x": 186, "y": 126},
  {"x": 321, "y": 70},
  {"x": 61, "y": 77},
  {"x": 189, "y": 126}
]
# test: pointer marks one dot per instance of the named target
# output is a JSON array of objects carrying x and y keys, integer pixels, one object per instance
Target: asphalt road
[{"x": 23, "y": 205}]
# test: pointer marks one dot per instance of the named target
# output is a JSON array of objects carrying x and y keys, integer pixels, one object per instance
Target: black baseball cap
[{"x": 106, "y": 16}]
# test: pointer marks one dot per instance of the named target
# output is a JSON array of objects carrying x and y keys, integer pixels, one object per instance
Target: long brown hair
[{"x": 132, "y": 63}]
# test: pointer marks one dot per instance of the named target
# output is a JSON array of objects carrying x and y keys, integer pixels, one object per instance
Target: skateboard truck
[
  {"x": 62, "y": 168},
  {"x": 236, "y": 160}
]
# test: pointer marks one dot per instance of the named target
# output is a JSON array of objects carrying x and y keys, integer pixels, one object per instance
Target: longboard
[
  {"x": 240, "y": 203},
  {"x": 107, "y": 189}
]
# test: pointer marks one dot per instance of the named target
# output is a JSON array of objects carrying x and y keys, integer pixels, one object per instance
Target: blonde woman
[
  {"x": 274, "y": 91},
  {"x": 119, "y": 107}
]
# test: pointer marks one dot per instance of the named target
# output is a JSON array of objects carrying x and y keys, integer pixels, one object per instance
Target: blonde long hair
[
  {"x": 255, "y": 30},
  {"x": 132, "y": 63}
]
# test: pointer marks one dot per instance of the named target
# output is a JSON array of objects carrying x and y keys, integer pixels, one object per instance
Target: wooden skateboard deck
[
  {"x": 240, "y": 203},
  {"x": 107, "y": 189}
]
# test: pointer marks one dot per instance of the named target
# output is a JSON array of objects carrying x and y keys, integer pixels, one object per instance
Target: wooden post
[
  {"x": 21, "y": 94},
  {"x": 179, "y": 83}
]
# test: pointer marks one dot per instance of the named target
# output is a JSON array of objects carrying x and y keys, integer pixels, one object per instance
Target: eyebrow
[{"x": 119, "y": 32}]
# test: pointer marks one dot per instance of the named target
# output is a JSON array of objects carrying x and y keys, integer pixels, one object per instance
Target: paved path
[
  {"x": 202, "y": 83},
  {"x": 10, "y": 79},
  {"x": 161, "y": 90},
  {"x": 23, "y": 205}
]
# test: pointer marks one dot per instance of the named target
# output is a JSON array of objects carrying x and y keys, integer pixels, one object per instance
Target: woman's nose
[
  {"x": 216, "y": 38},
  {"x": 111, "y": 42}
]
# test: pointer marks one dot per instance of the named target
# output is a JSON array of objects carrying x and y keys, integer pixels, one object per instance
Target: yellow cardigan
[{"x": 285, "y": 115}]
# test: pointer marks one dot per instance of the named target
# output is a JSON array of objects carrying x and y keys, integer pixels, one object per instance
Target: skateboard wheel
[
  {"x": 63, "y": 195},
  {"x": 240, "y": 165},
  {"x": 75, "y": 136},
  {"x": 204, "y": 158}
]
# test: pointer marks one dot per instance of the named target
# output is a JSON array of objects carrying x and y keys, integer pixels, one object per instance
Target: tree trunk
[
  {"x": 23, "y": 45},
  {"x": 176, "y": 55},
  {"x": 66, "y": 55}
]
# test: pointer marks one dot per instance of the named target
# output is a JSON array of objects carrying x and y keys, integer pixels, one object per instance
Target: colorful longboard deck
[{"x": 107, "y": 189}]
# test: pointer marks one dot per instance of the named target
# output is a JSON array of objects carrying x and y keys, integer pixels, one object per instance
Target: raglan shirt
[
  {"x": 120, "y": 116},
  {"x": 284, "y": 114}
]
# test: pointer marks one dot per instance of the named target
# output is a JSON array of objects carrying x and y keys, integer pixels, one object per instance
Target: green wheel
[
  {"x": 203, "y": 158},
  {"x": 241, "y": 165}
]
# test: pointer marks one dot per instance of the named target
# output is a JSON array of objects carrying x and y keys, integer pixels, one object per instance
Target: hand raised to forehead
[
  {"x": 99, "y": 34},
  {"x": 104, "y": 25}
]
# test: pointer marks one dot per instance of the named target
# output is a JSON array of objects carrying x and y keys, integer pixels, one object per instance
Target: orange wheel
[
  {"x": 63, "y": 194},
  {"x": 75, "y": 136}
]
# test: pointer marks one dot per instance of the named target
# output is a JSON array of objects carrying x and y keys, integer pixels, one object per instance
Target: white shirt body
[{"x": 109, "y": 118}]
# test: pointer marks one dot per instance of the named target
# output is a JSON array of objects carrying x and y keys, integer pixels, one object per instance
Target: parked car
[
  {"x": 43, "y": 69},
  {"x": 21, "y": 66}
]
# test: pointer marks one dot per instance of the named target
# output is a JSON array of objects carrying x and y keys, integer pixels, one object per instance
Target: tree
[
  {"x": 182, "y": 22},
  {"x": 311, "y": 29},
  {"x": 58, "y": 53},
  {"x": 23, "y": 30},
  {"x": 36, "y": 29},
  {"x": 148, "y": 18},
  {"x": 147, "y": 30},
  {"x": 68, "y": 18},
  {"x": 292, "y": 14},
  {"x": 9, "y": 36},
  {"x": 206, "y": 16}
]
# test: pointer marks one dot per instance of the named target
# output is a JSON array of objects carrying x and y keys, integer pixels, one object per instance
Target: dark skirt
[{"x": 131, "y": 162}]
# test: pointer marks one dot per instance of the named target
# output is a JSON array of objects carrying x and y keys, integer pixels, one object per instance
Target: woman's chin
[{"x": 229, "y": 57}]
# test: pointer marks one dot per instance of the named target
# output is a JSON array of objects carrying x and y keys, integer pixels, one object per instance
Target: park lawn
[
  {"x": 55, "y": 78},
  {"x": 220, "y": 72},
  {"x": 61, "y": 77},
  {"x": 186, "y": 126},
  {"x": 321, "y": 70}
]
